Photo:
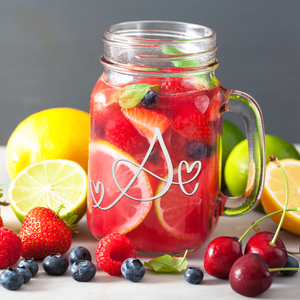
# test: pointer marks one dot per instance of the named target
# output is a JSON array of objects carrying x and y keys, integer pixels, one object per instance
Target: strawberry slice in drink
[
  {"x": 195, "y": 126},
  {"x": 145, "y": 121}
]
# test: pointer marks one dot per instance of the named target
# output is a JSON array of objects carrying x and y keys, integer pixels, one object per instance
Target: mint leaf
[
  {"x": 169, "y": 50},
  {"x": 168, "y": 263},
  {"x": 133, "y": 94}
]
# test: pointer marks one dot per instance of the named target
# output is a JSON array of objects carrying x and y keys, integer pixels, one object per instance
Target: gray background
[{"x": 49, "y": 52}]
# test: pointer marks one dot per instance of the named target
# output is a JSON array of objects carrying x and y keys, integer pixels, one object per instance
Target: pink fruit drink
[{"x": 155, "y": 149}]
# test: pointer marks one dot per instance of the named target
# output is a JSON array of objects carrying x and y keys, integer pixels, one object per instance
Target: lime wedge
[{"x": 50, "y": 183}]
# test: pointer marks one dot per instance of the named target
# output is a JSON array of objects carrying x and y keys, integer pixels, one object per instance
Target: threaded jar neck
[{"x": 159, "y": 47}]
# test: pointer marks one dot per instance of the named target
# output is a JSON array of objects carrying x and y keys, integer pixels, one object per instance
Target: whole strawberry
[
  {"x": 10, "y": 248},
  {"x": 43, "y": 232}
]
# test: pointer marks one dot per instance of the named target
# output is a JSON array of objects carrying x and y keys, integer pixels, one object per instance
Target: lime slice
[
  {"x": 50, "y": 183},
  {"x": 127, "y": 213}
]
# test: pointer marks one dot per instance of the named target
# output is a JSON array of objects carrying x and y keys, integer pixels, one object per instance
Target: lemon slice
[
  {"x": 274, "y": 194},
  {"x": 50, "y": 183},
  {"x": 128, "y": 213}
]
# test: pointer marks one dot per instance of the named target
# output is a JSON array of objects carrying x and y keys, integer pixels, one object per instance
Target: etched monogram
[{"x": 168, "y": 182}]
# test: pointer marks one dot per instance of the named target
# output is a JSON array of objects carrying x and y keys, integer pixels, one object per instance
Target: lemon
[
  {"x": 49, "y": 183},
  {"x": 236, "y": 167},
  {"x": 274, "y": 194},
  {"x": 56, "y": 133},
  {"x": 231, "y": 136}
]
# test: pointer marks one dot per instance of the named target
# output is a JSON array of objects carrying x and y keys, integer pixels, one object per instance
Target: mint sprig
[
  {"x": 133, "y": 94},
  {"x": 168, "y": 263},
  {"x": 169, "y": 50}
]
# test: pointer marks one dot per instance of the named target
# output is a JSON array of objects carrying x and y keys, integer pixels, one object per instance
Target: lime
[
  {"x": 231, "y": 136},
  {"x": 49, "y": 183},
  {"x": 236, "y": 167},
  {"x": 56, "y": 133},
  {"x": 127, "y": 213}
]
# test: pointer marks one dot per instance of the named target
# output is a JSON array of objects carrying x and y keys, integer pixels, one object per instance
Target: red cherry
[
  {"x": 249, "y": 275},
  {"x": 220, "y": 255},
  {"x": 275, "y": 256}
]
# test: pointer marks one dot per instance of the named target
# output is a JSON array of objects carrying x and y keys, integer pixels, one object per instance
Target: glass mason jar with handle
[{"x": 155, "y": 144}]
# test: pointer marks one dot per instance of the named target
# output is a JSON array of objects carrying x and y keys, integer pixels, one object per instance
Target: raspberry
[
  {"x": 10, "y": 248},
  {"x": 121, "y": 133},
  {"x": 112, "y": 250},
  {"x": 1, "y": 222},
  {"x": 175, "y": 85}
]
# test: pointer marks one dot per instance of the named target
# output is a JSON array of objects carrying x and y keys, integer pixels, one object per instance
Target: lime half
[
  {"x": 236, "y": 167},
  {"x": 50, "y": 183}
]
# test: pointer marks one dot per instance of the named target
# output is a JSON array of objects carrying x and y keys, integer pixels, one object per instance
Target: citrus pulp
[
  {"x": 274, "y": 193},
  {"x": 49, "y": 183}
]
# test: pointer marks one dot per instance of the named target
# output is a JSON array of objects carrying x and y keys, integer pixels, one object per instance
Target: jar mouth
[
  {"x": 160, "y": 46},
  {"x": 156, "y": 32}
]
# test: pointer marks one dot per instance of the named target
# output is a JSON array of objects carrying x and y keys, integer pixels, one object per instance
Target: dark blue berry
[
  {"x": 31, "y": 264},
  {"x": 79, "y": 253},
  {"x": 149, "y": 100},
  {"x": 26, "y": 273},
  {"x": 193, "y": 275},
  {"x": 155, "y": 157},
  {"x": 11, "y": 279},
  {"x": 83, "y": 270},
  {"x": 290, "y": 263},
  {"x": 132, "y": 269},
  {"x": 195, "y": 150},
  {"x": 211, "y": 149},
  {"x": 55, "y": 264}
]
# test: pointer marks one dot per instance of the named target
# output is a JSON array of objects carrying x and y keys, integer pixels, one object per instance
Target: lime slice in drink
[
  {"x": 50, "y": 183},
  {"x": 126, "y": 213}
]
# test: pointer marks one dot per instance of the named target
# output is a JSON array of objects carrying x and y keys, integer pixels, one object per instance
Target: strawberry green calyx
[{"x": 68, "y": 219}]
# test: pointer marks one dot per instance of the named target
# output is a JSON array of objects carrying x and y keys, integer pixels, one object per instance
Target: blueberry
[
  {"x": 55, "y": 264},
  {"x": 193, "y": 275},
  {"x": 79, "y": 253},
  {"x": 149, "y": 100},
  {"x": 26, "y": 273},
  {"x": 290, "y": 263},
  {"x": 195, "y": 150},
  {"x": 83, "y": 270},
  {"x": 11, "y": 279},
  {"x": 211, "y": 149},
  {"x": 155, "y": 157},
  {"x": 132, "y": 269},
  {"x": 31, "y": 264}
]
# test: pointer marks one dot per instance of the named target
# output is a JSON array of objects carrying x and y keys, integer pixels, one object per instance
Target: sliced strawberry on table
[
  {"x": 145, "y": 121},
  {"x": 193, "y": 125}
]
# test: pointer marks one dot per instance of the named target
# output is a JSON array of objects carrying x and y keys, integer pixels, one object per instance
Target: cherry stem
[
  {"x": 274, "y": 159},
  {"x": 283, "y": 269},
  {"x": 291, "y": 252},
  {"x": 266, "y": 216}
]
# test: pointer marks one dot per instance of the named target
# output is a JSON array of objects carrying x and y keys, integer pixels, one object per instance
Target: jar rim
[{"x": 135, "y": 32}]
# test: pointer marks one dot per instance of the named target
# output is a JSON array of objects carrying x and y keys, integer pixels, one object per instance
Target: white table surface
[{"x": 153, "y": 285}]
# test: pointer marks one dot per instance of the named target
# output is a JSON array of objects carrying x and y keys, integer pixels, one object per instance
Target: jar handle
[{"x": 247, "y": 107}]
